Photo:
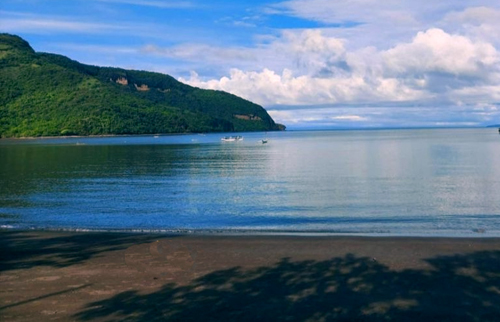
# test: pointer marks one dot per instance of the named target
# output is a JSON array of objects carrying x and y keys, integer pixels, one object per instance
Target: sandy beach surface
[{"x": 68, "y": 276}]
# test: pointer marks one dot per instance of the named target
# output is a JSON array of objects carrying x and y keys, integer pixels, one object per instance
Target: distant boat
[
  {"x": 232, "y": 138},
  {"x": 264, "y": 141}
]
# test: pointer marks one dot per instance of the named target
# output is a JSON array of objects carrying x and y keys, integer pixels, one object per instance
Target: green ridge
[{"x": 49, "y": 95}]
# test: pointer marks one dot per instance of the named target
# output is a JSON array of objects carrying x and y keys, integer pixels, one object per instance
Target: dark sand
[{"x": 47, "y": 276}]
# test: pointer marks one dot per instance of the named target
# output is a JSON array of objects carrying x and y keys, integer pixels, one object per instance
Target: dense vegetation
[{"x": 46, "y": 94}]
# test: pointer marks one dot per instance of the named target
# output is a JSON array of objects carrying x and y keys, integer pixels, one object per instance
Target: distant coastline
[
  {"x": 288, "y": 130},
  {"x": 292, "y": 129}
]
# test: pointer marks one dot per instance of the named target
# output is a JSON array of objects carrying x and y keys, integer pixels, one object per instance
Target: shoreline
[
  {"x": 104, "y": 276},
  {"x": 291, "y": 130},
  {"x": 95, "y": 136},
  {"x": 472, "y": 234},
  {"x": 125, "y": 135},
  {"x": 227, "y": 232}
]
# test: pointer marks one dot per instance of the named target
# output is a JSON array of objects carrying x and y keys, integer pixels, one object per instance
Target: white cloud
[
  {"x": 396, "y": 54},
  {"x": 303, "y": 51},
  {"x": 435, "y": 67},
  {"x": 102, "y": 49},
  {"x": 311, "y": 42},
  {"x": 474, "y": 16},
  {"x": 318, "y": 70},
  {"x": 212, "y": 54},
  {"x": 269, "y": 88},
  {"x": 387, "y": 116},
  {"x": 315, "y": 117},
  {"x": 384, "y": 23},
  {"x": 34, "y": 23},
  {"x": 348, "y": 118},
  {"x": 39, "y": 24},
  {"x": 26, "y": 22},
  {"x": 436, "y": 51},
  {"x": 477, "y": 94},
  {"x": 400, "y": 13},
  {"x": 480, "y": 23},
  {"x": 337, "y": 11}
]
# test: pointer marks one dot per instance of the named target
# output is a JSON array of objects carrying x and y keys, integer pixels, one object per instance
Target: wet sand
[{"x": 63, "y": 276}]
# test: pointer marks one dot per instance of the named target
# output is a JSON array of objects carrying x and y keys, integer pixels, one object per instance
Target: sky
[{"x": 310, "y": 63}]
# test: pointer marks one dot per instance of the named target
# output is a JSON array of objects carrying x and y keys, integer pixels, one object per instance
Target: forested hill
[{"x": 46, "y": 94}]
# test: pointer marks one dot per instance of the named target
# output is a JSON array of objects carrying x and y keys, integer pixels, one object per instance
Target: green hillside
[{"x": 48, "y": 95}]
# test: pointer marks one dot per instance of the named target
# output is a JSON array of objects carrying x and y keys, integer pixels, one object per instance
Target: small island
[{"x": 45, "y": 94}]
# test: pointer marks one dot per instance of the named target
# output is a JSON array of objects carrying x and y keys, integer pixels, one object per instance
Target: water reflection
[{"x": 421, "y": 181}]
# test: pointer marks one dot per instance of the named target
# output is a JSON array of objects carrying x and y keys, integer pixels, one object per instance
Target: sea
[{"x": 404, "y": 182}]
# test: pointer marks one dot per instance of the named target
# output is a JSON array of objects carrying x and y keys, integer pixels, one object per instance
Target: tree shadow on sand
[
  {"x": 455, "y": 288},
  {"x": 21, "y": 250}
]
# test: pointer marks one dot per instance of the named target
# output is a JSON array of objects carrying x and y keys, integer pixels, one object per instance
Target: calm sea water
[{"x": 440, "y": 182}]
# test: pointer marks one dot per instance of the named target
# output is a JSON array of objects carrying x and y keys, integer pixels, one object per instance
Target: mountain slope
[{"x": 46, "y": 94}]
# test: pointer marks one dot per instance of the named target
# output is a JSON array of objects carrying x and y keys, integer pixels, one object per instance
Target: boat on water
[
  {"x": 232, "y": 138},
  {"x": 264, "y": 141}
]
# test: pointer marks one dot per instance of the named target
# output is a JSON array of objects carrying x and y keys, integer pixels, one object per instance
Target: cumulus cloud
[
  {"x": 437, "y": 51},
  {"x": 477, "y": 22},
  {"x": 321, "y": 71},
  {"x": 397, "y": 57},
  {"x": 303, "y": 51},
  {"x": 433, "y": 68},
  {"x": 269, "y": 88},
  {"x": 311, "y": 49},
  {"x": 384, "y": 23}
]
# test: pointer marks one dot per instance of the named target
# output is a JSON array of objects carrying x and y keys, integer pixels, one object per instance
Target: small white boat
[{"x": 232, "y": 138}]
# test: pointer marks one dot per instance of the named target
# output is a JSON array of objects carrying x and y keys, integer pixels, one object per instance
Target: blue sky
[{"x": 310, "y": 63}]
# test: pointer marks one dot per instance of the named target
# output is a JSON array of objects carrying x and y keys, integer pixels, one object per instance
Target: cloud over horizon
[
  {"x": 434, "y": 67},
  {"x": 314, "y": 63}
]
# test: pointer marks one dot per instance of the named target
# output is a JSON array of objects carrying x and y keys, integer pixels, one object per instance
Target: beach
[{"x": 94, "y": 276}]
